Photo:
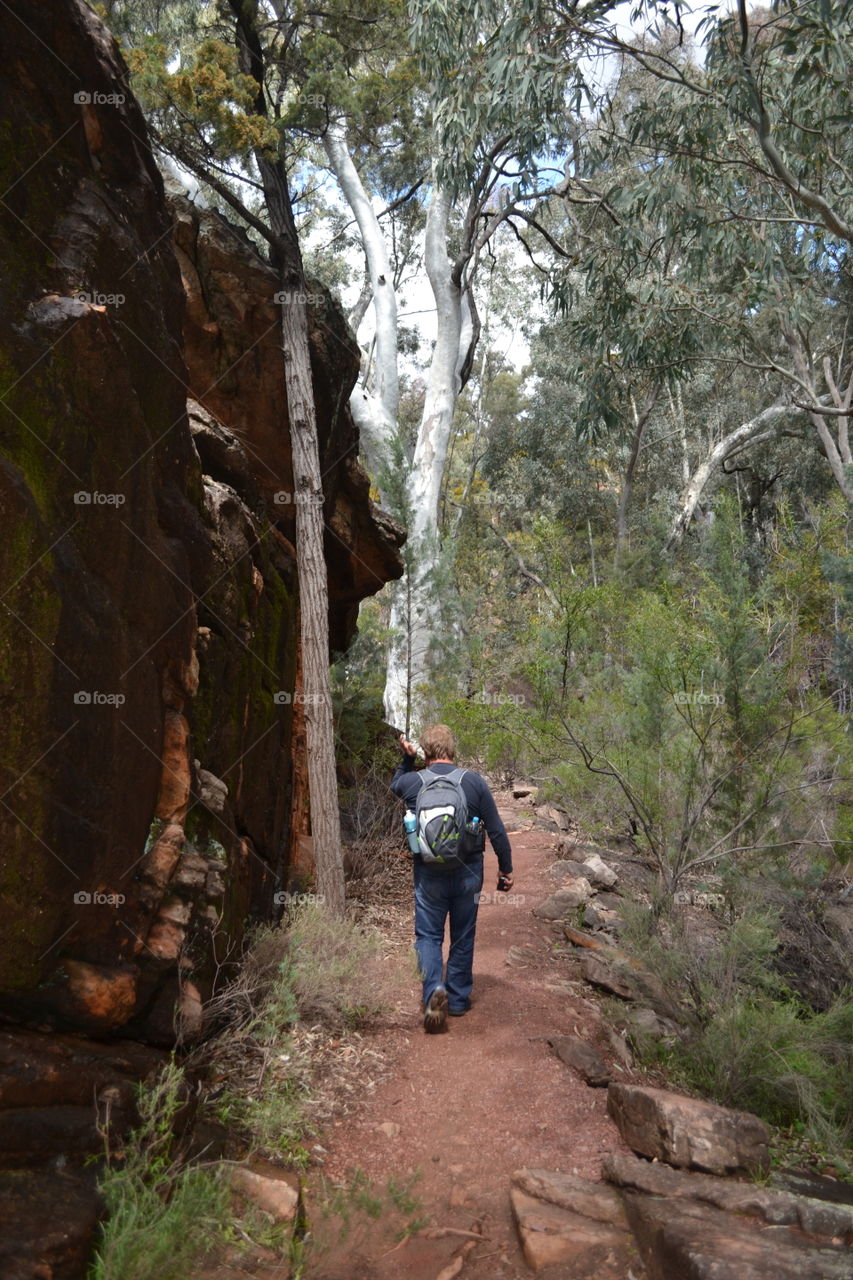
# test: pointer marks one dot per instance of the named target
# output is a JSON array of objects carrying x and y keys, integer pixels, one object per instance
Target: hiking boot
[
  {"x": 461, "y": 1011},
  {"x": 435, "y": 1014}
]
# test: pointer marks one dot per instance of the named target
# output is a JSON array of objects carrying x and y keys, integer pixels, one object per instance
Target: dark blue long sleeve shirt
[{"x": 406, "y": 784}]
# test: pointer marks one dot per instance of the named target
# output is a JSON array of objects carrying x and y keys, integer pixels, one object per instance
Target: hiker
[{"x": 450, "y": 888}]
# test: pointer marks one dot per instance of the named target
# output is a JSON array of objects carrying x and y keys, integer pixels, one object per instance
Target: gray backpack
[{"x": 442, "y": 813}]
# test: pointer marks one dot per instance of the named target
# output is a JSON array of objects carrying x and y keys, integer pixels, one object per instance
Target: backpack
[{"x": 442, "y": 815}]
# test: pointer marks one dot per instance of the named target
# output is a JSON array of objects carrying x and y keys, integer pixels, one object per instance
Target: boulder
[
  {"x": 616, "y": 973},
  {"x": 598, "y": 873},
  {"x": 596, "y": 917},
  {"x": 687, "y": 1132},
  {"x": 573, "y": 894},
  {"x": 550, "y": 813},
  {"x": 50, "y": 1220},
  {"x": 519, "y": 957},
  {"x": 565, "y": 870}
]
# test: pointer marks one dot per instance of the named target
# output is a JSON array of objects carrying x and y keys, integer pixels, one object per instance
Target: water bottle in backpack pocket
[
  {"x": 475, "y": 837},
  {"x": 410, "y": 826}
]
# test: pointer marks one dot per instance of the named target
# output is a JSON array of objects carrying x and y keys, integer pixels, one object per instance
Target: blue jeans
[{"x": 439, "y": 894}]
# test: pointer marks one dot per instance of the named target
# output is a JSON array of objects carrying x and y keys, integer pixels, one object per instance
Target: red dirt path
[{"x": 499, "y": 1100}]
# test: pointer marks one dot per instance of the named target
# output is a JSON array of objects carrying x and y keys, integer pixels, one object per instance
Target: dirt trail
[{"x": 464, "y": 1109}]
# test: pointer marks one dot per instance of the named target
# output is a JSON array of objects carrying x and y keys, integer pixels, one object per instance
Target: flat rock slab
[
  {"x": 586, "y": 1248},
  {"x": 685, "y": 1239},
  {"x": 595, "y": 1200},
  {"x": 618, "y": 975},
  {"x": 688, "y": 1133},
  {"x": 830, "y": 1222},
  {"x": 581, "y": 1056}
]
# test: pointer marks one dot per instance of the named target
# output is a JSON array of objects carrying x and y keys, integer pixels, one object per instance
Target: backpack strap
[{"x": 427, "y": 775}]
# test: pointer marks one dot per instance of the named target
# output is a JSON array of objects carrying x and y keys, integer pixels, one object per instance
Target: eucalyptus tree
[
  {"x": 750, "y": 160},
  {"x": 484, "y": 167},
  {"x": 744, "y": 163}
]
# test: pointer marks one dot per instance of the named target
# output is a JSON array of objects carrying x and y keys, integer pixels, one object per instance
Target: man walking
[{"x": 441, "y": 891}]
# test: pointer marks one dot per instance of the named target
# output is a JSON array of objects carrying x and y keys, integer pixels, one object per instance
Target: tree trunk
[
  {"x": 761, "y": 427},
  {"x": 313, "y": 604},
  {"x": 374, "y": 406},
  {"x": 640, "y": 424},
  {"x": 837, "y": 452},
  {"x": 308, "y": 489},
  {"x": 415, "y": 618}
]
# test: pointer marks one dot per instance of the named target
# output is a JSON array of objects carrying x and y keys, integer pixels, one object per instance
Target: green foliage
[
  {"x": 335, "y": 969},
  {"x": 360, "y": 1198},
  {"x": 163, "y": 1215},
  {"x": 754, "y": 1045}
]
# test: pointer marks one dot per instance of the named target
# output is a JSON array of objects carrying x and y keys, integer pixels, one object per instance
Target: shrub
[
  {"x": 757, "y": 1046},
  {"x": 162, "y": 1215},
  {"x": 334, "y": 968},
  {"x": 775, "y": 1057}
]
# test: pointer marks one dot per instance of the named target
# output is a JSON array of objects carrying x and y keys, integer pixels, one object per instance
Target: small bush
[
  {"x": 334, "y": 969},
  {"x": 780, "y": 1060},
  {"x": 163, "y": 1215},
  {"x": 757, "y": 1046}
]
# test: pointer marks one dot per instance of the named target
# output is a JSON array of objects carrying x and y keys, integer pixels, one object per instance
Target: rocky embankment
[
  {"x": 697, "y": 1197},
  {"x": 151, "y": 794}
]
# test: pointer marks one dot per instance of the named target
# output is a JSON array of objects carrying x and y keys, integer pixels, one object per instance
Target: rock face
[
  {"x": 148, "y": 629},
  {"x": 687, "y": 1132},
  {"x": 149, "y": 587}
]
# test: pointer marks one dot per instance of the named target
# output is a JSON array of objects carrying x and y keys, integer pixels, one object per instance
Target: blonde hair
[{"x": 438, "y": 743}]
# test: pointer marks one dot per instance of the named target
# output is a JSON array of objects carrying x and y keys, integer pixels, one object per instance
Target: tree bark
[
  {"x": 374, "y": 407},
  {"x": 414, "y": 620},
  {"x": 640, "y": 423},
  {"x": 308, "y": 496}
]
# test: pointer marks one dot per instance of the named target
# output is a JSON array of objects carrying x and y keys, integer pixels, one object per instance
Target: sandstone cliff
[{"x": 149, "y": 586}]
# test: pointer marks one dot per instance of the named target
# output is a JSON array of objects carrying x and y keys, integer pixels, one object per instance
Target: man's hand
[
  {"x": 408, "y": 748},
  {"x": 504, "y": 882}
]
